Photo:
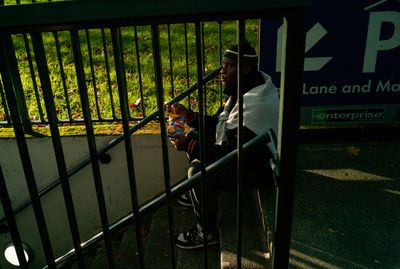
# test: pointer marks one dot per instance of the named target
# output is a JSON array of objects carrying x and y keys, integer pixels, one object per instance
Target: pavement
[{"x": 347, "y": 206}]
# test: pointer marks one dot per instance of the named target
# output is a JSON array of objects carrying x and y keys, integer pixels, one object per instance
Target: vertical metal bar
[
  {"x": 204, "y": 63},
  {"x": 103, "y": 38},
  {"x": 160, "y": 104},
  {"x": 33, "y": 78},
  {"x": 220, "y": 61},
  {"x": 187, "y": 63},
  {"x": 290, "y": 92},
  {"x": 240, "y": 37},
  {"x": 200, "y": 87},
  {"x": 62, "y": 73},
  {"x": 92, "y": 144},
  {"x": 139, "y": 71},
  {"x": 12, "y": 223},
  {"x": 41, "y": 62},
  {"x": 4, "y": 104},
  {"x": 96, "y": 98},
  {"x": 24, "y": 154},
  {"x": 171, "y": 72},
  {"x": 16, "y": 80},
  {"x": 123, "y": 73},
  {"x": 203, "y": 48},
  {"x": 122, "y": 89}
]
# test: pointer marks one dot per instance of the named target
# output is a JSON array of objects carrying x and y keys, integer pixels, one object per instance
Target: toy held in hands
[{"x": 176, "y": 125}]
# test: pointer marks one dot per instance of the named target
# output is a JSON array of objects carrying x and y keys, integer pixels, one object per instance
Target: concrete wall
[{"x": 148, "y": 170}]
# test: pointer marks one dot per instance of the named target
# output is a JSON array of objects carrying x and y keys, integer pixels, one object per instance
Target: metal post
[
  {"x": 139, "y": 71},
  {"x": 16, "y": 80},
  {"x": 171, "y": 70},
  {"x": 40, "y": 55},
  {"x": 292, "y": 70},
  {"x": 4, "y": 104},
  {"x": 240, "y": 38},
  {"x": 96, "y": 98},
  {"x": 160, "y": 104},
  {"x": 92, "y": 144},
  {"x": 33, "y": 78},
  {"x": 62, "y": 74},
  {"x": 103, "y": 38},
  {"x": 122, "y": 90},
  {"x": 201, "y": 94},
  {"x": 24, "y": 154}
]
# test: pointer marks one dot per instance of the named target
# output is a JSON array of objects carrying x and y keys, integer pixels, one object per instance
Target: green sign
[{"x": 347, "y": 115}]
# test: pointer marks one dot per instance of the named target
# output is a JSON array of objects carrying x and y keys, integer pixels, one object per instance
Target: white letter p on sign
[{"x": 374, "y": 44}]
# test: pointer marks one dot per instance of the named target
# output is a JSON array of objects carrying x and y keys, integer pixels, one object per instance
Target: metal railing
[
  {"x": 100, "y": 73},
  {"x": 78, "y": 17},
  {"x": 99, "y": 68}
]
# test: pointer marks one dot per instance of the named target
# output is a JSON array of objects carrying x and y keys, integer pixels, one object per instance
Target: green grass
[
  {"x": 13, "y": 2},
  {"x": 174, "y": 81}
]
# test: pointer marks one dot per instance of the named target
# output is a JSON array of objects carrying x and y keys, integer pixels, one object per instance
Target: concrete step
[
  {"x": 100, "y": 259},
  {"x": 95, "y": 257},
  {"x": 88, "y": 258},
  {"x": 127, "y": 255},
  {"x": 158, "y": 254},
  {"x": 193, "y": 259},
  {"x": 254, "y": 243},
  {"x": 157, "y": 244}
]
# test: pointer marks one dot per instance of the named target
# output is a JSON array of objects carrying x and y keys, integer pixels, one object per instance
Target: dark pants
[{"x": 225, "y": 179}]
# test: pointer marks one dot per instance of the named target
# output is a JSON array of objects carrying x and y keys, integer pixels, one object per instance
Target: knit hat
[{"x": 249, "y": 53}]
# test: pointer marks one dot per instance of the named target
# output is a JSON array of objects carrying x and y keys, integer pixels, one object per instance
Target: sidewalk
[{"x": 347, "y": 207}]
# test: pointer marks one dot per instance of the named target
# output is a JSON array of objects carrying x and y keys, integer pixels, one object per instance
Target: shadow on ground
[{"x": 347, "y": 211}]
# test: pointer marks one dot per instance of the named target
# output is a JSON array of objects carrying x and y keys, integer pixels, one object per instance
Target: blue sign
[{"x": 352, "y": 61}]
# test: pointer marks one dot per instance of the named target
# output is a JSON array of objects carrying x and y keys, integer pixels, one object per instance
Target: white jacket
[{"x": 260, "y": 111}]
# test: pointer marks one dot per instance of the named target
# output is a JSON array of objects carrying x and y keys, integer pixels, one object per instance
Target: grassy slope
[
  {"x": 174, "y": 80},
  {"x": 80, "y": 130}
]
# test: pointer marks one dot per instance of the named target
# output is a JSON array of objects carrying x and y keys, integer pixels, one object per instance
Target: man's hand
[{"x": 179, "y": 142}]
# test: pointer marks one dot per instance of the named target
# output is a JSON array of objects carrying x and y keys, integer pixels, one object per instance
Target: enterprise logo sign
[{"x": 347, "y": 115}]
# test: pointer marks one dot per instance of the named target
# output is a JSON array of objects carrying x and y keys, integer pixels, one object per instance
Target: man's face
[{"x": 228, "y": 72}]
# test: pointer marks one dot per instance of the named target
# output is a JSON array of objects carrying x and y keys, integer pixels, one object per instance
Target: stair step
[
  {"x": 100, "y": 259},
  {"x": 193, "y": 259},
  {"x": 127, "y": 256},
  {"x": 88, "y": 259},
  {"x": 254, "y": 244},
  {"x": 95, "y": 256},
  {"x": 157, "y": 245},
  {"x": 158, "y": 253}
]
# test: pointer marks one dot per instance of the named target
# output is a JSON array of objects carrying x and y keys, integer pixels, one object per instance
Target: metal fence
[
  {"x": 177, "y": 49},
  {"x": 99, "y": 69},
  {"x": 75, "y": 23}
]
